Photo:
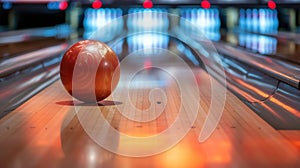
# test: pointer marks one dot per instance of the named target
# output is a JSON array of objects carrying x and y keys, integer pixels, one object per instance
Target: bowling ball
[{"x": 89, "y": 70}]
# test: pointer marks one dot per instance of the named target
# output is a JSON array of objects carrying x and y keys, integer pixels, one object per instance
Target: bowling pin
[
  {"x": 255, "y": 20},
  {"x": 262, "y": 21},
  {"x": 242, "y": 19},
  {"x": 86, "y": 19},
  {"x": 160, "y": 20},
  {"x": 211, "y": 20},
  {"x": 198, "y": 20},
  {"x": 202, "y": 19},
  {"x": 268, "y": 21},
  {"x": 276, "y": 22},
  {"x": 134, "y": 19},
  {"x": 248, "y": 20},
  {"x": 217, "y": 20},
  {"x": 206, "y": 19}
]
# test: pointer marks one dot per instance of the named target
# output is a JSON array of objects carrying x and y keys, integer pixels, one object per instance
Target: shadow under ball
[{"x": 90, "y": 70}]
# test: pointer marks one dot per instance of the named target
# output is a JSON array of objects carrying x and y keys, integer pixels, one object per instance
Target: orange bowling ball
[{"x": 89, "y": 70}]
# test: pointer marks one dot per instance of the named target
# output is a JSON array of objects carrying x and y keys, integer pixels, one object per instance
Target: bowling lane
[
  {"x": 50, "y": 130},
  {"x": 29, "y": 62},
  {"x": 18, "y": 42},
  {"x": 9, "y": 50},
  {"x": 265, "y": 45},
  {"x": 256, "y": 66},
  {"x": 256, "y": 31}
]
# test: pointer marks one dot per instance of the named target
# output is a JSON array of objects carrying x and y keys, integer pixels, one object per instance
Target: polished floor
[{"x": 50, "y": 130}]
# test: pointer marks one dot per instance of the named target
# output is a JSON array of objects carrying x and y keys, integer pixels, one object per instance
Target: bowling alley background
[{"x": 244, "y": 56}]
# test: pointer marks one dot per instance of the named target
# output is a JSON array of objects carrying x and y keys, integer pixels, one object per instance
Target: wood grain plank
[{"x": 46, "y": 132}]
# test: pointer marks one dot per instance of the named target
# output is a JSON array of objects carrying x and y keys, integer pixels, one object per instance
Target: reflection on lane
[
  {"x": 258, "y": 43},
  {"x": 149, "y": 42},
  {"x": 187, "y": 52},
  {"x": 264, "y": 45},
  {"x": 154, "y": 44},
  {"x": 117, "y": 46}
]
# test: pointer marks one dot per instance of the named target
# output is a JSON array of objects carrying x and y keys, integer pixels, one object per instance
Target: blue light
[
  {"x": 102, "y": 24},
  {"x": 148, "y": 43},
  {"x": 201, "y": 21},
  {"x": 258, "y": 43},
  {"x": 259, "y": 20},
  {"x": 49, "y": 33},
  {"x": 7, "y": 5},
  {"x": 140, "y": 19},
  {"x": 53, "y": 5}
]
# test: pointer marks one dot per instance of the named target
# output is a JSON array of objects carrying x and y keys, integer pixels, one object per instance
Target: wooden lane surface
[
  {"x": 45, "y": 132},
  {"x": 293, "y": 136},
  {"x": 12, "y": 49}
]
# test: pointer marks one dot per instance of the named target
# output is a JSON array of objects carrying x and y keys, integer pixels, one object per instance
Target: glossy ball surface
[{"x": 89, "y": 70}]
